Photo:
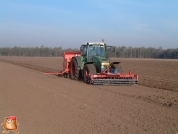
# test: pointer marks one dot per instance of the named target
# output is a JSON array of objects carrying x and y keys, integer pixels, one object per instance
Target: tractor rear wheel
[
  {"x": 117, "y": 66},
  {"x": 74, "y": 69},
  {"x": 88, "y": 69}
]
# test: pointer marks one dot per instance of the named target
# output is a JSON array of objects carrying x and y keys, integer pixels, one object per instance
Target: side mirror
[
  {"x": 113, "y": 49},
  {"x": 81, "y": 48}
]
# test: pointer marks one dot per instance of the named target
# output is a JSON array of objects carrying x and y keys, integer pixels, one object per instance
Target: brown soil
[
  {"x": 154, "y": 73},
  {"x": 49, "y": 104}
]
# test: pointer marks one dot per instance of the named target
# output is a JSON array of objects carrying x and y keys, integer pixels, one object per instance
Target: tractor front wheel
[{"x": 88, "y": 69}]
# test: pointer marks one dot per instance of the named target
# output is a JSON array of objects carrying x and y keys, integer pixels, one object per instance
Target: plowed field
[{"x": 49, "y": 104}]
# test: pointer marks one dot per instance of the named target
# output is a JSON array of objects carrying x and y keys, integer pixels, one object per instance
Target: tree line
[{"x": 124, "y": 52}]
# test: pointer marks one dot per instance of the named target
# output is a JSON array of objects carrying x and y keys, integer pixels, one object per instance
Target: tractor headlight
[{"x": 104, "y": 65}]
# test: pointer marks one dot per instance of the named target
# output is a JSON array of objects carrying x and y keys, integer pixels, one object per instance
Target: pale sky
[{"x": 135, "y": 23}]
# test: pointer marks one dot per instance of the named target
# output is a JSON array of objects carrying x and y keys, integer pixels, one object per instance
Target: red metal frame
[
  {"x": 66, "y": 62},
  {"x": 113, "y": 76},
  {"x": 106, "y": 75},
  {"x": 67, "y": 59}
]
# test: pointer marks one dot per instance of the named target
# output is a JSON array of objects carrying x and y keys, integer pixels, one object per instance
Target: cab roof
[{"x": 96, "y": 43}]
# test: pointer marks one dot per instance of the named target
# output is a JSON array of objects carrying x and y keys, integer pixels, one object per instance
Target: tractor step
[{"x": 115, "y": 81}]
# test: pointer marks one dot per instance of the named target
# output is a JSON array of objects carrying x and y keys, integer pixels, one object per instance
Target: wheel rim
[{"x": 85, "y": 75}]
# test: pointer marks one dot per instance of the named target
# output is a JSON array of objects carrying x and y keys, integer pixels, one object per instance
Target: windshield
[{"x": 97, "y": 50}]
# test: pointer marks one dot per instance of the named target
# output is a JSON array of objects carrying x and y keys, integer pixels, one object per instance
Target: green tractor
[{"x": 94, "y": 67}]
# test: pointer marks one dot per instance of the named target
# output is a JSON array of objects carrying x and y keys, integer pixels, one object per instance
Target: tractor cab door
[
  {"x": 83, "y": 50},
  {"x": 91, "y": 53}
]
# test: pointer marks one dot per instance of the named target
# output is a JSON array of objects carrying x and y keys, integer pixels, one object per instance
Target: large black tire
[
  {"x": 117, "y": 66},
  {"x": 88, "y": 69},
  {"x": 74, "y": 70}
]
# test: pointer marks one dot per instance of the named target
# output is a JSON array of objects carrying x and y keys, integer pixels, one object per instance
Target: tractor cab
[
  {"x": 93, "y": 49},
  {"x": 95, "y": 52}
]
